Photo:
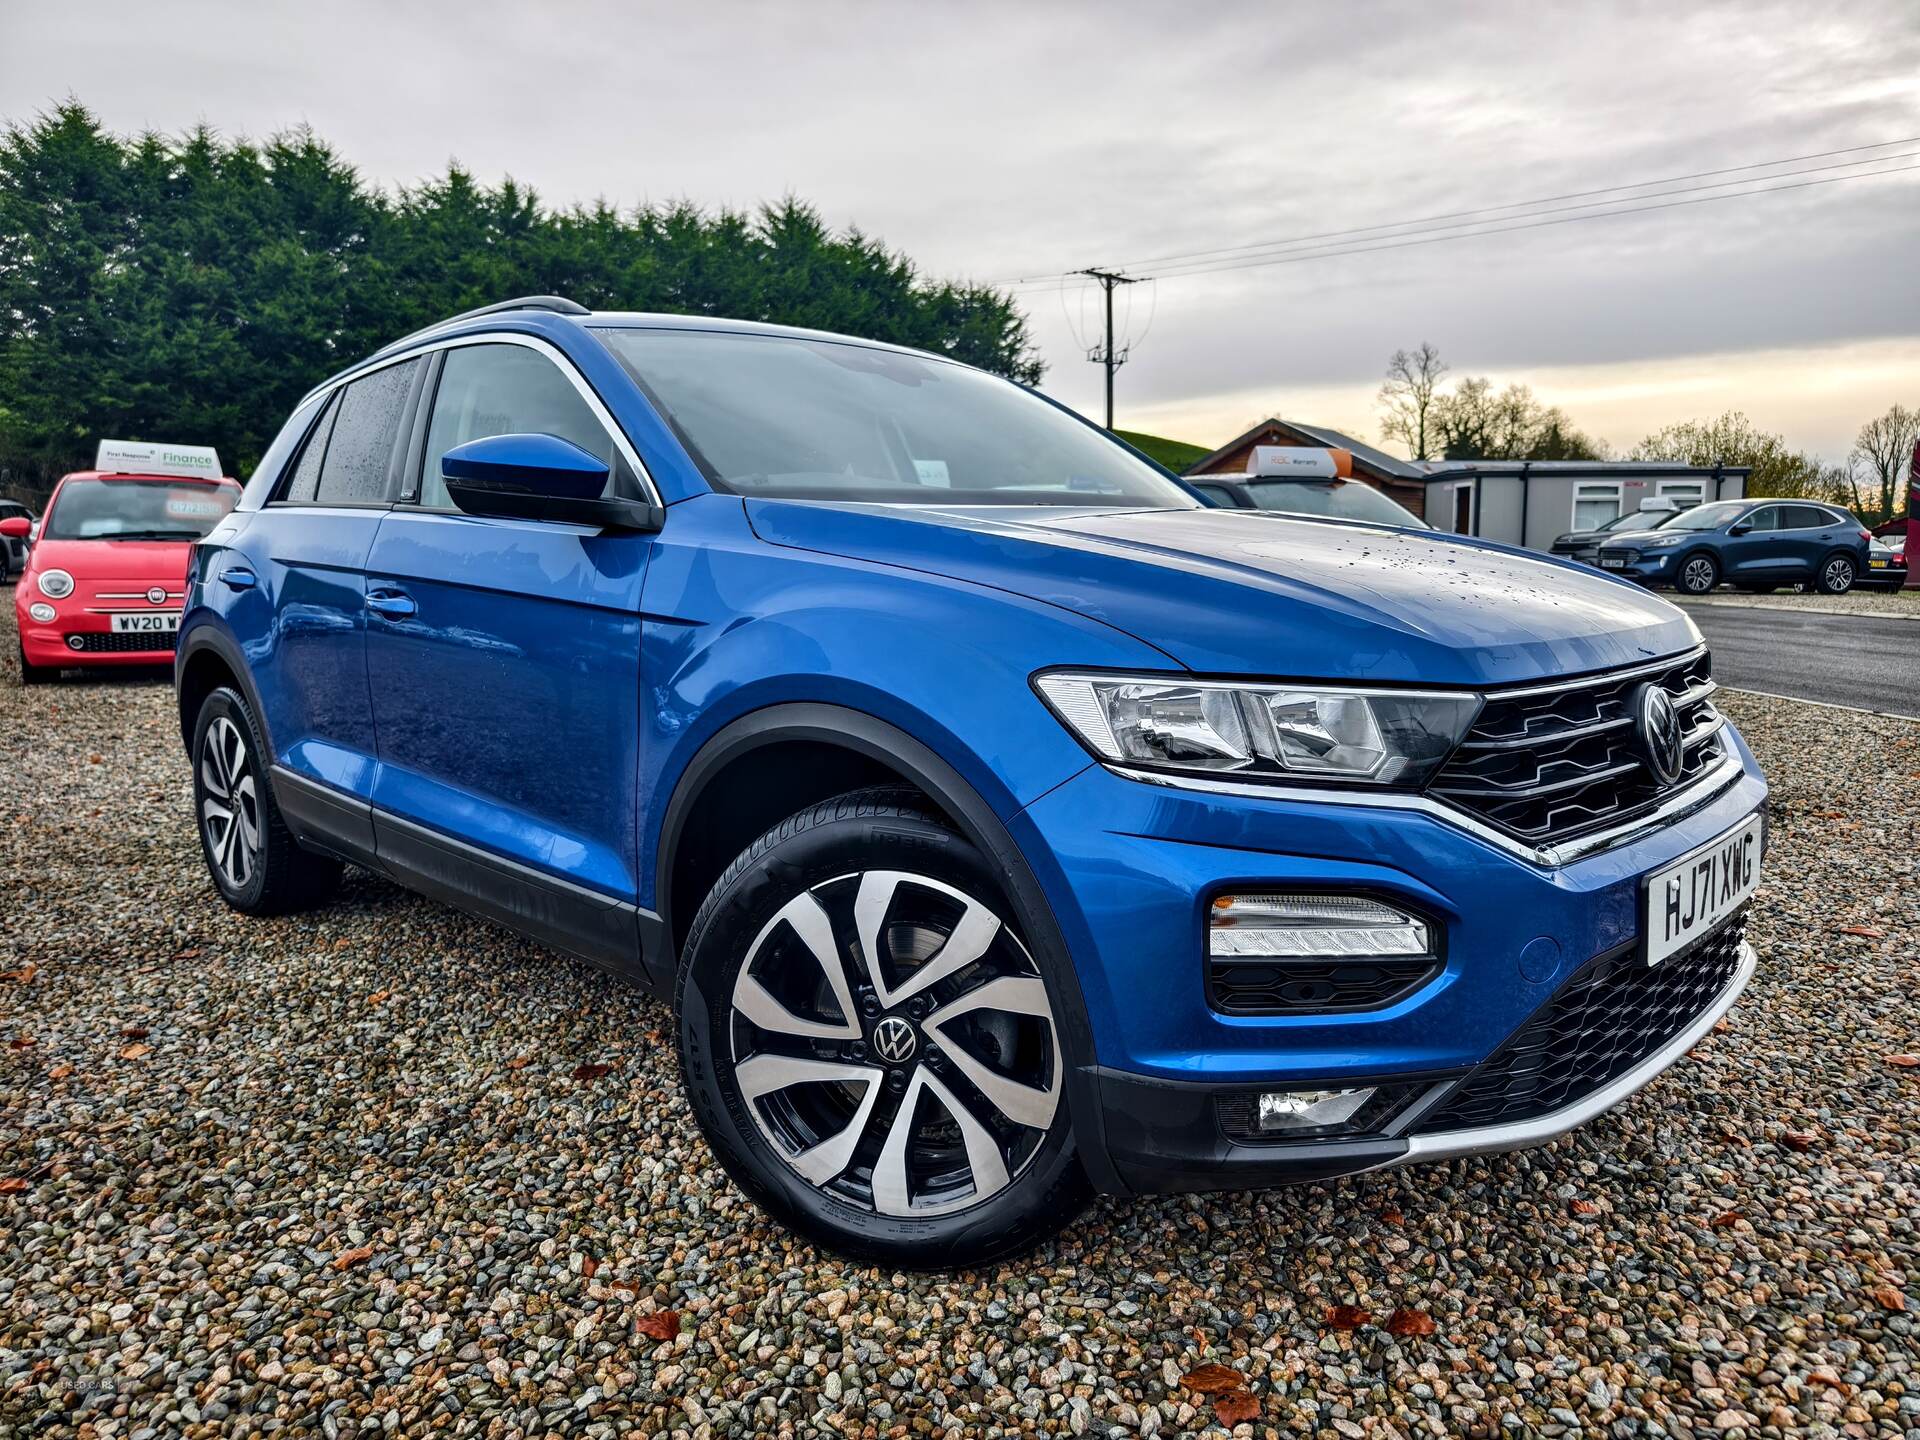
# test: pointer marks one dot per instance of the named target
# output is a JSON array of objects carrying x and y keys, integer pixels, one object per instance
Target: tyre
[
  {"x": 1837, "y": 574},
  {"x": 1698, "y": 575},
  {"x": 35, "y": 674},
  {"x": 256, "y": 864},
  {"x": 870, "y": 1046}
]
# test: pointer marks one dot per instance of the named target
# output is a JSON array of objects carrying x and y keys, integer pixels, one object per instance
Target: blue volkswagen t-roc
[{"x": 1001, "y": 822}]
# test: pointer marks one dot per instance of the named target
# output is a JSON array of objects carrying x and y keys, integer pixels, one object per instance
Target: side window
[
  {"x": 1809, "y": 517},
  {"x": 366, "y": 423},
  {"x": 504, "y": 390},
  {"x": 304, "y": 483},
  {"x": 1219, "y": 494},
  {"x": 1766, "y": 518}
]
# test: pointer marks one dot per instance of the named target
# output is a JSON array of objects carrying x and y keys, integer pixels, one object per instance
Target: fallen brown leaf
[
  {"x": 1583, "y": 1207},
  {"x": 1236, "y": 1408},
  {"x": 60, "y": 1072},
  {"x": 1823, "y": 1375},
  {"x": 192, "y": 952},
  {"x": 1726, "y": 1219},
  {"x": 93, "y": 759},
  {"x": 133, "y": 1032},
  {"x": 661, "y": 1325},
  {"x": 378, "y": 996},
  {"x": 1409, "y": 1322},
  {"x": 1869, "y": 932},
  {"x": 592, "y": 1070},
  {"x": 12, "y": 1185},
  {"x": 351, "y": 1257},
  {"x": 1392, "y": 1217},
  {"x": 1348, "y": 1317},
  {"x": 20, "y": 1042},
  {"x": 1890, "y": 1299},
  {"x": 1904, "y": 1062},
  {"x": 519, "y": 1062},
  {"x": 135, "y": 1052},
  {"x": 588, "y": 1265},
  {"x": 1801, "y": 1140},
  {"x": 1214, "y": 1380},
  {"x": 21, "y": 976}
]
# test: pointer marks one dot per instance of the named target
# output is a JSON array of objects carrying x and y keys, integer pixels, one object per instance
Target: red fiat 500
[{"x": 105, "y": 579}]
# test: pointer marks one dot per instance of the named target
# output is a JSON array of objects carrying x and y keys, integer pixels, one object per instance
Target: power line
[
  {"x": 1522, "y": 223},
  {"x": 1551, "y": 199},
  {"x": 1177, "y": 256}
]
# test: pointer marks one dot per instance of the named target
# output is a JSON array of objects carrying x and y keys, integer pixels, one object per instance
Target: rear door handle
[
  {"x": 238, "y": 577},
  {"x": 391, "y": 604}
]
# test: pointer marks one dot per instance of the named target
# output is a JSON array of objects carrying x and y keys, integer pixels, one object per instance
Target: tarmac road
[{"x": 1868, "y": 662}]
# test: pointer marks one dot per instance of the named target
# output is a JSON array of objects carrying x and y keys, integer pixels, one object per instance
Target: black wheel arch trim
[
  {"x": 944, "y": 785},
  {"x": 208, "y": 636}
]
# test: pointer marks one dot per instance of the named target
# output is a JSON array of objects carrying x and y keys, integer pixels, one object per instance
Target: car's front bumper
[
  {"x": 1131, "y": 869},
  {"x": 81, "y": 634},
  {"x": 1649, "y": 567}
]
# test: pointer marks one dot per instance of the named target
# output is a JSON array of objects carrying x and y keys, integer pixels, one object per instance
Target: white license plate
[
  {"x": 1698, "y": 891},
  {"x": 160, "y": 620},
  {"x": 1613, "y": 564}
]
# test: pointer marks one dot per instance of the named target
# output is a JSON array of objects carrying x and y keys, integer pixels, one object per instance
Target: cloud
[{"x": 1006, "y": 139}]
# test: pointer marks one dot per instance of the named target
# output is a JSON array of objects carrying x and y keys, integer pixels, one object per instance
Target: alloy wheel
[
  {"x": 893, "y": 1041},
  {"x": 1839, "y": 575},
  {"x": 230, "y": 806},
  {"x": 1698, "y": 575}
]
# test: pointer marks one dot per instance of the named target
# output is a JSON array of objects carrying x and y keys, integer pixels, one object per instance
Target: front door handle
[
  {"x": 238, "y": 577},
  {"x": 391, "y": 604}
]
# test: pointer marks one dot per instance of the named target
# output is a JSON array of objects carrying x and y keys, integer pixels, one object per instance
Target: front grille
[
  {"x": 1615, "y": 1012},
  {"x": 1314, "y": 987},
  {"x": 1556, "y": 764},
  {"x": 159, "y": 642}
]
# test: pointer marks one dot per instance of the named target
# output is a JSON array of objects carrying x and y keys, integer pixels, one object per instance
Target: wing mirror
[
  {"x": 1742, "y": 528},
  {"x": 538, "y": 477},
  {"x": 16, "y": 527}
]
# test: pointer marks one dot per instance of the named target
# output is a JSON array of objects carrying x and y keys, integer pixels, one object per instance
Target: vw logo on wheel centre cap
[{"x": 893, "y": 1040}]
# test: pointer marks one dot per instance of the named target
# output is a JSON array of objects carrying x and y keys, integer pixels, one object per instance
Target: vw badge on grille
[
  {"x": 893, "y": 1039},
  {"x": 156, "y": 596},
  {"x": 1657, "y": 724}
]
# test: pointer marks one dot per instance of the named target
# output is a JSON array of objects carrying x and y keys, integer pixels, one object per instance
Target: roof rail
[{"x": 555, "y": 304}]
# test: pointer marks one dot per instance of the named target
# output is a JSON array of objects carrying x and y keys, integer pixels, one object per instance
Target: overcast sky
[{"x": 992, "y": 141}]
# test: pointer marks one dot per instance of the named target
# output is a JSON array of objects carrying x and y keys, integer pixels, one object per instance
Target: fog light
[
  {"x": 74, "y": 642},
  {"x": 1312, "y": 927},
  {"x": 1281, "y": 1112},
  {"x": 42, "y": 613}
]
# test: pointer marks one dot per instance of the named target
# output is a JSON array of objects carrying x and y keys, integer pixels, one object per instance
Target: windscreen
[
  {"x": 1340, "y": 500},
  {"x": 1706, "y": 517},
  {"x": 819, "y": 420},
  {"x": 136, "y": 510}
]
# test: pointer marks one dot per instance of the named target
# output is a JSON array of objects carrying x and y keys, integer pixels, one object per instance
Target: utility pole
[{"x": 1105, "y": 354}]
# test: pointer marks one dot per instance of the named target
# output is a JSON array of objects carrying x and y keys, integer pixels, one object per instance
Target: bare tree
[
  {"x": 1406, "y": 400},
  {"x": 1883, "y": 450}
]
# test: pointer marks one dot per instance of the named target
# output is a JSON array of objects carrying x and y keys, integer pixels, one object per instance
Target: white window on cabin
[
  {"x": 1684, "y": 493},
  {"x": 1595, "y": 503}
]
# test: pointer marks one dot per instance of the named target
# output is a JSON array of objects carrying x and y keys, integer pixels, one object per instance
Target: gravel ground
[
  {"x": 346, "y": 1173},
  {"x": 1893, "y": 604}
]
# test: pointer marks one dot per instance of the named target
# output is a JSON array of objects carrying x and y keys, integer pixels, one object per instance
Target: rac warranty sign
[{"x": 138, "y": 457}]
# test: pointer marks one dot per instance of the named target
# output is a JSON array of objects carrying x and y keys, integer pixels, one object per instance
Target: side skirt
[{"x": 613, "y": 934}]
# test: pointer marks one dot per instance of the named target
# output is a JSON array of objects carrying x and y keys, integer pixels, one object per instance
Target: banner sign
[
  {"x": 138, "y": 457},
  {"x": 1300, "y": 462}
]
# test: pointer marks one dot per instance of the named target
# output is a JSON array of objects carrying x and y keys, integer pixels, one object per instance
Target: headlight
[
  {"x": 1661, "y": 542},
  {"x": 56, "y": 584},
  {"x": 1377, "y": 737}
]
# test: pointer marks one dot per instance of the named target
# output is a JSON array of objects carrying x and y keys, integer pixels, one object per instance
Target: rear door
[
  {"x": 1813, "y": 532},
  {"x": 504, "y": 661},
  {"x": 304, "y": 556}
]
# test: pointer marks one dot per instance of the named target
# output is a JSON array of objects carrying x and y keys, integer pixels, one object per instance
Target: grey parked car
[{"x": 1585, "y": 544}]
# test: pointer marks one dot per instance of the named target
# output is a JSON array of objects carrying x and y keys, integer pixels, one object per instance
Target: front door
[
  {"x": 1761, "y": 551},
  {"x": 504, "y": 662}
]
